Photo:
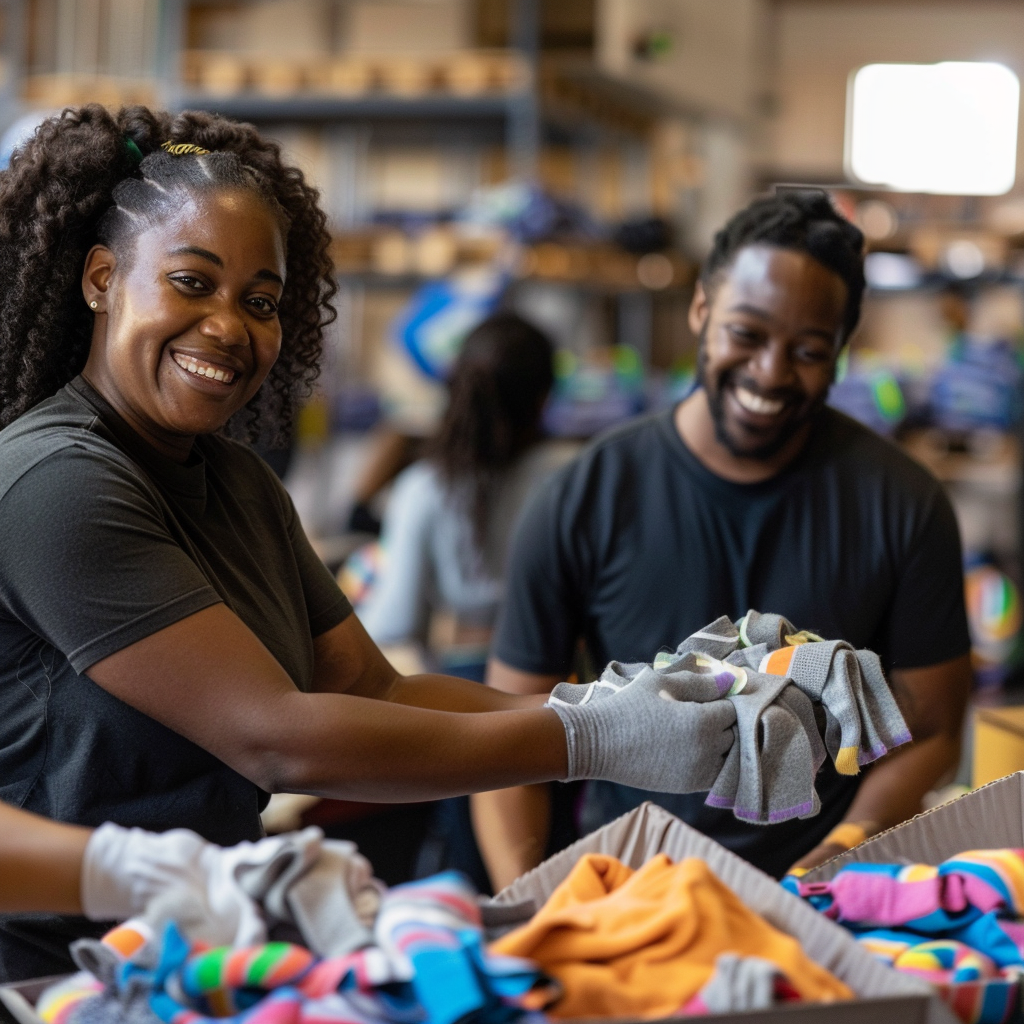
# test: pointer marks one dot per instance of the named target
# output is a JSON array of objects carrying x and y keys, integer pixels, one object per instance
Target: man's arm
[
  {"x": 512, "y": 825},
  {"x": 933, "y": 701},
  {"x": 40, "y": 863}
]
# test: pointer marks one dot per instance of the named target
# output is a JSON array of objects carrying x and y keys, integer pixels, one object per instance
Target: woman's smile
[{"x": 206, "y": 371}]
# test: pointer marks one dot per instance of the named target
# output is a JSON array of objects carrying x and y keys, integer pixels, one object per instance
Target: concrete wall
[{"x": 816, "y": 45}]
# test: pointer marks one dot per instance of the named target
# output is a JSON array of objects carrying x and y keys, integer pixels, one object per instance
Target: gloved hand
[
  {"x": 123, "y": 869},
  {"x": 648, "y": 733}
]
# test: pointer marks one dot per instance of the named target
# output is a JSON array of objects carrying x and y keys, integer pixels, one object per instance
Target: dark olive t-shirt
[
  {"x": 636, "y": 544},
  {"x": 103, "y": 541}
]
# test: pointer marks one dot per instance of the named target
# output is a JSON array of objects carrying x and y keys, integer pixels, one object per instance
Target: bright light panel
[{"x": 947, "y": 128}]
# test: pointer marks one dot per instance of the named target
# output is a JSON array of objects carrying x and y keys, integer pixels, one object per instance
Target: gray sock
[
  {"x": 695, "y": 677},
  {"x": 320, "y": 900},
  {"x": 862, "y": 718},
  {"x": 884, "y": 727},
  {"x": 772, "y": 778},
  {"x": 718, "y": 639},
  {"x": 740, "y": 983},
  {"x": 757, "y": 628}
]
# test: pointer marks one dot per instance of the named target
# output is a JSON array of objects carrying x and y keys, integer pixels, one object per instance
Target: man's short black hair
[{"x": 804, "y": 220}]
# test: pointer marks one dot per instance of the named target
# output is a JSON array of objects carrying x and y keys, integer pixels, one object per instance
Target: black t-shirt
[
  {"x": 105, "y": 541},
  {"x": 636, "y": 544}
]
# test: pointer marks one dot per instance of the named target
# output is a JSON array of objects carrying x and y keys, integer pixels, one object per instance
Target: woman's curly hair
[{"x": 79, "y": 181}]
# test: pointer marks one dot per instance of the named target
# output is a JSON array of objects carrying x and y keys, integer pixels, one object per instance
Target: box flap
[
  {"x": 636, "y": 837},
  {"x": 989, "y": 818}
]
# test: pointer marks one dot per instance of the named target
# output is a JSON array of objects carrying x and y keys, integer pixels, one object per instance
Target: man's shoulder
[
  {"x": 638, "y": 439},
  {"x": 851, "y": 448}
]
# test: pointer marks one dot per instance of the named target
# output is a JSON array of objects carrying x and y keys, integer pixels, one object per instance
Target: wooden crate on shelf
[
  {"x": 75, "y": 90},
  {"x": 463, "y": 73},
  {"x": 217, "y": 72}
]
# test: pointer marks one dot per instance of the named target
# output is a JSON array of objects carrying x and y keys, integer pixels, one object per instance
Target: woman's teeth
[
  {"x": 204, "y": 369},
  {"x": 755, "y": 404}
]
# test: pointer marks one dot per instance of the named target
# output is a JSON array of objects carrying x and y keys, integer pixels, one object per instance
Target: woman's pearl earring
[{"x": 94, "y": 304}]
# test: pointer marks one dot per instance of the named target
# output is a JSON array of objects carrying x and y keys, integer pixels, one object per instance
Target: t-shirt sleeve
[
  {"x": 927, "y": 622},
  {"x": 325, "y": 602},
  {"x": 87, "y": 561},
  {"x": 540, "y": 621}
]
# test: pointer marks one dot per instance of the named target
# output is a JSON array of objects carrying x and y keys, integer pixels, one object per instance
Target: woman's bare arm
[
  {"x": 40, "y": 863},
  {"x": 209, "y": 678}
]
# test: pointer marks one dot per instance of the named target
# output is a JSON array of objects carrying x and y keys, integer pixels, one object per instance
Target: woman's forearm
[
  {"x": 445, "y": 693},
  {"x": 40, "y": 863},
  {"x": 358, "y": 748}
]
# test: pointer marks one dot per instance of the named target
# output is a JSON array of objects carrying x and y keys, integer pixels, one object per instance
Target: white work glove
[
  {"x": 649, "y": 732},
  {"x": 125, "y": 868}
]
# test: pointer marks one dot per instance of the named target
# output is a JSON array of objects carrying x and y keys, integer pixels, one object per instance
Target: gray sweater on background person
[{"x": 432, "y": 560}]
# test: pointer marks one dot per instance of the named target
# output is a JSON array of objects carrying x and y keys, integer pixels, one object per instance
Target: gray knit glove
[{"x": 649, "y": 732}]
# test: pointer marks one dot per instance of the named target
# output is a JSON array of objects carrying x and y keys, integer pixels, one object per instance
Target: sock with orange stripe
[{"x": 862, "y": 719}]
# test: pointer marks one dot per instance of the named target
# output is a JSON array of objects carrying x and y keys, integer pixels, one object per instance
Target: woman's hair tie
[
  {"x": 133, "y": 151},
  {"x": 183, "y": 149}
]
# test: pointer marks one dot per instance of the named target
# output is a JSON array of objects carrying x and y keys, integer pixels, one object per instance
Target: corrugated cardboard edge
[
  {"x": 990, "y": 817},
  {"x": 636, "y": 837},
  {"x": 19, "y": 999}
]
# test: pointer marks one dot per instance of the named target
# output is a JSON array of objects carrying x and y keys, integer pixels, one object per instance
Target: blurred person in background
[
  {"x": 449, "y": 519},
  {"x": 448, "y": 524},
  {"x": 751, "y": 493}
]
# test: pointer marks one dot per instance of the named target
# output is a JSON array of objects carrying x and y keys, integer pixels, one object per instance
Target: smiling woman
[{"x": 171, "y": 649}]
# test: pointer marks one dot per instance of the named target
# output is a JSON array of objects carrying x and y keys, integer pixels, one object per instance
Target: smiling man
[{"x": 749, "y": 494}]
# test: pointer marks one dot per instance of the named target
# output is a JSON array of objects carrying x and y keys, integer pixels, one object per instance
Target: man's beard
[{"x": 716, "y": 404}]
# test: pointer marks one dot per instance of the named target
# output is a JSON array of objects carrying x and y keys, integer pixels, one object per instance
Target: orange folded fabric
[{"x": 642, "y": 943}]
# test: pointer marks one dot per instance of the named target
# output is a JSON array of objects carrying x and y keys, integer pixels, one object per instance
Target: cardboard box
[
  {"x": 998, "y": 744},
  {"x": 989, "y": 818},
  {"x": 636, "y": 837},
  {"x": 884, "y": 995}
]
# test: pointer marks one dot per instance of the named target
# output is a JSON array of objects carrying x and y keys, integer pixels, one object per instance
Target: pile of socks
[
  {"x": 426, "y": 964},
  {"x": 776, "y": 678},
  {"x": 958, "y": 925},
  {"x": 665, "y": 939}
]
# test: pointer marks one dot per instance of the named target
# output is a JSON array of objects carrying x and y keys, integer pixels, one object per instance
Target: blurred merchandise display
[
  {"x": 979, "y": 386},
  {"x": 872, "y": 396},
  {"x": 593, "y": 394},
  {"x": 440, "y": 314},
  {"x": 994, "y": 617},
  {"x": 360, "y": 571}
]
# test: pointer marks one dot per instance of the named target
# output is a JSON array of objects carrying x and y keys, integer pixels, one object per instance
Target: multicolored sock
[
  {"x": 863, "y": 721},
  {"x": 764, "y": 628}
]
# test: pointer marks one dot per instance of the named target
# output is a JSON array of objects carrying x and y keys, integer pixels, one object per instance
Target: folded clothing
[
  {"x": 956, "y": 924},
  {"x": 644, "y": 943}
]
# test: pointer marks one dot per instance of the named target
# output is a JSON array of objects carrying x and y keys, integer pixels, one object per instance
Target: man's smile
[{"x": 756, "y": 404}]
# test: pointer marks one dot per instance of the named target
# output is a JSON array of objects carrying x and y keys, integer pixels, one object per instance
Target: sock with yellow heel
[{"x": 863, "y": 721}]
